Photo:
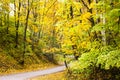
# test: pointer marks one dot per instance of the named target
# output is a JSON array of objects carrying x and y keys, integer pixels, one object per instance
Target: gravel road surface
[{"x": 27, "y": 75}]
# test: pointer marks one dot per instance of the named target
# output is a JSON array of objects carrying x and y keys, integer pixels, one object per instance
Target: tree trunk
[
  {"x": 65, "y": 62},
  {"x": 103, "y": 31},
  {"x": 0, "y": 20},
  {"x": 7, "y": 24},
  {"x": 25, "y": 31},
  {"x": 17, "y": 24}
]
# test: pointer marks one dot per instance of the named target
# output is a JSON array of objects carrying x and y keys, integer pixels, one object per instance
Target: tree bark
[
  {"x": 7, "y": 23},
  {"x": 17, "y": 24},
  {"x": 25, "y": 31},
  {"x": 1, "y": 20}
]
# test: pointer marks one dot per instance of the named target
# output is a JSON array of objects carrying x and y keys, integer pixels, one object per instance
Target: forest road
[{"x": 28, "y": 75}]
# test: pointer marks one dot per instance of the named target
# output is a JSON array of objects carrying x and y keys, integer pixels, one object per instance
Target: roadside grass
[{"x": 54, "y": 76}]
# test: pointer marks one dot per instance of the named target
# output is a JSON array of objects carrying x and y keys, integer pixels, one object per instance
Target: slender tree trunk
[
  {"x": 5, "y": 19},
  {"x": 71, "y": 12},
  {"x": 7, "y": 23},
  {"x": 15, "y": 13},
  {"x": 65, "y": 62},
  {"x": 103, "y": 31},
  {"x": 25, "y": 31},
  {"x": 17, "y": 24},
  {"x": 1, "y": 20}
]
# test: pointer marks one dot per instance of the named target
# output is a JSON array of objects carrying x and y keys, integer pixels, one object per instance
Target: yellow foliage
[
  {"x": 83, "y": 44},
  {"x": 28, "y": 40},
  {"x": 50, "y": 50},
  {"x": 35, "y": 28},
  {"x": 67, "y": 51},
  {"x": 86, "y": 15},
  {"x": 22, "y": 19},
  {"x": 92, "y": 5},
  {"x": 85, "y": 26}
]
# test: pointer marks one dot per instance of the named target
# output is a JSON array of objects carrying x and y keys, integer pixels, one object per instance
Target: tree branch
[{"x": 85, "y": 4}]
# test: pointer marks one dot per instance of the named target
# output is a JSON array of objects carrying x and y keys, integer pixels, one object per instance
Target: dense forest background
[{"x": 88, "y": 30}]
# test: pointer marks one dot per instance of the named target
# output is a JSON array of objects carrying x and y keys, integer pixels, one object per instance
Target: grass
[{"x": 54, "y": 76}]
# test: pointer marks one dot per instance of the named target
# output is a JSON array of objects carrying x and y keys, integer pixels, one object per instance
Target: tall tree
[
  {"x": 25, "y": 30},
  {"x": 17, "y": 19}
]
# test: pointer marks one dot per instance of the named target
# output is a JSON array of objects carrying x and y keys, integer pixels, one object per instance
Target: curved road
[{"x": 27, "y": 75}]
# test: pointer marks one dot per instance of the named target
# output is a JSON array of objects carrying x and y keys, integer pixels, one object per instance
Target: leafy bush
[{"x": 105, "y": 60}]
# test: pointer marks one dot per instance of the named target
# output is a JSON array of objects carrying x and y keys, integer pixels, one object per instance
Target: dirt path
[{"x": 27, "y": 75}]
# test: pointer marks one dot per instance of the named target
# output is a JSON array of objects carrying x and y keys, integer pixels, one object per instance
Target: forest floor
[
  {"x": 28, "y": 75},
  {"x": 53, "y": 76}
]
